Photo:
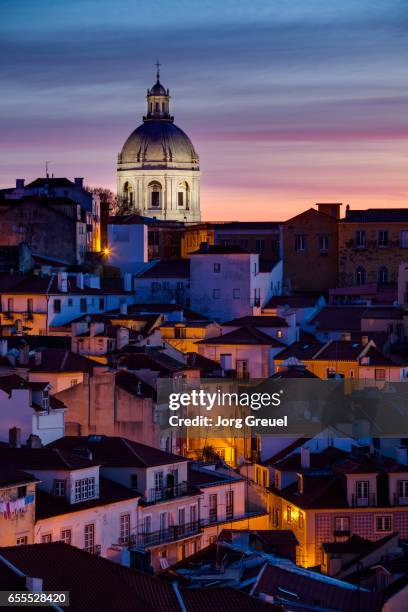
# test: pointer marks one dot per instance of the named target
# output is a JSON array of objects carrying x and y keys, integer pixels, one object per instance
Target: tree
[{"x": 106, "y": 196}]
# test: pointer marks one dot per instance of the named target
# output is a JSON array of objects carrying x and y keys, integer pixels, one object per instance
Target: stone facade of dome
[{"x": 158, "y": 173}]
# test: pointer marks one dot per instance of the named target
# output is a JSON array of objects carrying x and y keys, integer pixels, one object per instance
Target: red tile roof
[
  {"x": 43, "y": 459},
  {"x": 94, "y": 583},
  {"x": 223, "y": 598},
  {"x": 290, "y": 586},
  {"x": 294, "y": 301},
  {"x": 257, "y": 321},
  {"x": 9, "y": 477},
  {"x": 339, "y": 318},
  {"x": 245, "y": 336},
  {"x": 117, "y": 451},
  {"x": 167, "y": 268}
]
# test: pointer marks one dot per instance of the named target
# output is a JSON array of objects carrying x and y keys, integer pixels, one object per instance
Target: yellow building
[
  {"x": 183, "y": 336},
  {"x": 194, "y": 235},
  {"x": 17, "y": 507}
]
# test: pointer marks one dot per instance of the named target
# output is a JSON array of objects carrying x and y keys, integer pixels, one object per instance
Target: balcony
[
  {"x": 93, "y": 550},
  {"x": 164, "y": 536},
  {"x": 363, "y": 502},
  {"x": 155, "y": 496}
]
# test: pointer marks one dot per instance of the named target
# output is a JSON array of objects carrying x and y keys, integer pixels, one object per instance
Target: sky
[{"x": 288, "y": 102}]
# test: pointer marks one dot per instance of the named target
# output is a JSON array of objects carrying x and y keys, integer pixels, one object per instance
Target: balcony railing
[
  {"x": 399, "y": 500},
  {"x": 361, "y": 502},
  {"x": 158, "y": 495},
  {"x": 163, "y": 536},
  {"x": 94, "y": 550}
]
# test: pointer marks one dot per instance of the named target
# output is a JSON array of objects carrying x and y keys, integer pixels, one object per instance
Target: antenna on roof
[
  {"x": 158, "y": 64},
  {"x": 46, "y": 169}
]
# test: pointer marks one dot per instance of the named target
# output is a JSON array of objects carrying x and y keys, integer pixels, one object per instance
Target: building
[
  {"x": 326, "y": 494},
  {"x": 39, "y": 304},
  {"x": 17, "y": 506},
  {"x": 158, "y": 172},
  {"x": 262, "y": 237},
  {"x": 127, "y": 241},
  {"x": 164, "y": 282},
  {"x": 310, "y": 249},
  {"x": 28, "y": 408},
  {"x": 33, "y": 205},
  {"x": 372, "y": 244},
  {"x": 229, "y": 282}
]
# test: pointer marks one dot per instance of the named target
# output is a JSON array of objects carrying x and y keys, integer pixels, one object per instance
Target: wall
[
  {"x": 128, "y": 246},
  {"x": 21, "y": 524}
]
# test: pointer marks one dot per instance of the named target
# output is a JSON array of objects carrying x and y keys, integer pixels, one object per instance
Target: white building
[
  {"x": 29, "y": 409},
  {"x": 164, "y": 282},
  {"x": 127, "y": 244},
  {"x": 158, "y": 172},
  {"x": 227, "y": 282}
]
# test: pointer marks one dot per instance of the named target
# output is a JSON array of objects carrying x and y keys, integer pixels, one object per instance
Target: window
[
  {"x": 342, "y": 524},
  {"x": 155, "y": 192},
  {"x": 360, "y": 275},
  {"x": 242, "y": 368},
  {"x": 147, "y": 524},
  {"x": 158, "y": 481},
  {"x": 229, "y": 506},
  {"x": 383, "y": 522},
  {"x": 180, "y": 198},
  {"x": 213, "y": 509},
  {"x": 279, "y": 333},
  {"x": 217, "y": 268},
  {"x": 133, "y": 482},
  {"x": 47, "y": 537},
  {"x": 289, "y": 514},
  {"x": 382, "y": 238},
  {"x": 66, "y": 536},
  {"x": 193, "y": 514},
  {"x": 301, "y": 520},
  {"x": 300, "y": 242},
  {"x": 163, "y": 521},
  {"x": 216, "y": 294},
  {"x": 179, "y": 332},
  {"x": 236, "y": 294},
  {"x": 21, "y": 491},
  {"x": 57, "y": 305},
  {"x": 362, "y": 491},
  {"x": 226, "y": 361},
  {"x": 60, "y": 488},
  {"x": 361, "y": 239},
  {"x": 277, "y": 480},
  {"x": 243, "y": 244},
  {"x": 70, "y": 302},
  {"x": 124, "y": 528},
  {"x": 383, "y": 275},
  {"x": 84, "y": 489},
  {"x": 260, "y": 245},
  {"x": 74, "y": 381},
  {"x": 403, "y": 489},
  {"x": 379, "y": 374},
  {"x": 82, "y": 304},
  {"x": 45, "y": 400},
  {"x": 10, "y": 305},
  {"x": 323, "y": 244},
  {"x": 101, "y": 303},
  {"x": 21, "y": 541},
  {"x": 404, "y": 239},
  {"x": 30, "y": 305},
  {"x": 89, "y": 537}
]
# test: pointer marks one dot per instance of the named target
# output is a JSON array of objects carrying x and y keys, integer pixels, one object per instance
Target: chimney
[
  {"x": 37, "y": 357},
  {"x": 34, "y": 585},
  {"x": 24, "y": 353},
  {"x": 330, "y": 208},
  {"x": 3, "y": 347},
  {"x": 305, "y": 457},
  {"x": 402, "y": 455},
  {"x": 127, "y": 281},
  {"x": 123, "y": 309},
  {"x": 79, "y": 182},
  {"x": 62, "y": 281},
  {"x": 15, "y": 437},
  {"x": 80, "y": 280},
  {"x": 19, "y": 183},
  {"x": 34, "y": 441}
]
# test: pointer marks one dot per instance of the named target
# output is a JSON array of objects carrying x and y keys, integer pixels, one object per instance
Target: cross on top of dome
[{"x": 158, "y": 100}]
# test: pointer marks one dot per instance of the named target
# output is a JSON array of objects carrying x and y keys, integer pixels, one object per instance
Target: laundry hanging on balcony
[{"x": 10, "y": 509}]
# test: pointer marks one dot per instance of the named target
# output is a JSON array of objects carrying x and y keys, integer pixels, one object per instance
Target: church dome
[{"x": 157, "y": 142}]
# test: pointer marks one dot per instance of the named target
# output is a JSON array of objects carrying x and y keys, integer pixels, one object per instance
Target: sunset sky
[{"x": 288, "y": 102}]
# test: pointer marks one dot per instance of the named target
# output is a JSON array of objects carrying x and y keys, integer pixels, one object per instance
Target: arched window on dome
[
  {"x": 155, "y": 194},
  {"x": 383, "y": 275},
  {"x": 183, "y": 195},
  {"x": 128, "y": 195},
  {"x": 360, "y": 275}
]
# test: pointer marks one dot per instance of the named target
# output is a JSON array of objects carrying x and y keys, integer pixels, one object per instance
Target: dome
[
  {"x": 157, "y": 90},
  {"x": 158, "y": 142}
]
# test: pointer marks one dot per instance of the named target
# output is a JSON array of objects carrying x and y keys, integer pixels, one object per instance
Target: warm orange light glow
[{"x": 106, "y": 251}]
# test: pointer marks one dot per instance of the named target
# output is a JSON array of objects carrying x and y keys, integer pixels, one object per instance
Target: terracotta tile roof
[
  {"x": 293, "y": 371},
  {"x": 48, "y": 285},
  {"x": 300, "y": 350},
  {"x": 9, "y": 476},
  {"x": 355, "y": 545},
  {"x": 61, "y": 360},
  {"x": 339, "y": 318},
  {"x": 340, "y": 350},
  {"x": 151, "y": 360},
  {"x": 43, "y": 459},
  {"x": 293, "y": 301},
  {"x": 94, "y": 583},
  {"x": 167, "y": 268},
  {"x": 377, "y": 215},
  {"x": 207, "y": 366},
  {"x": 50, "y": 183},
  {"x": 257, "y": 321},
  {"x": 117, "y": 451},
  {"x": 12, "y": 381},
  {"x": 207, "y": 477},
  {"x": 285, "y": 451},
  {"x": 326, "y": 458},
  {"x": 109, "y": 493},
  {"x": 314, "y": 590},
  {"x": 243, "y": 335},
  {"x": 220, "y": 249},
  {"x": 383, "y": 312},
  {"x": 223, "y": 598},
  {"x": 134, "y": 385}
]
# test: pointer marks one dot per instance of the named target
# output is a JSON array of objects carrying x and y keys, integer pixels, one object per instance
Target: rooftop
[
  {"x": 243, "y": 335},
  {"x": 43, "y": 459},
  {"x": 376, "y": 215},
  {"x": 257, "y": 321},
  {"x": 167, "y": 268}
]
